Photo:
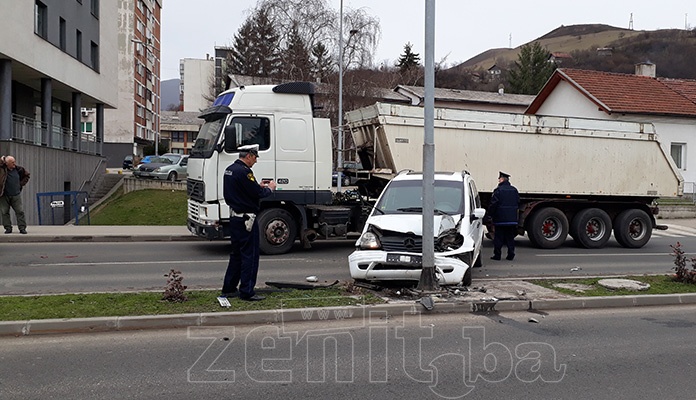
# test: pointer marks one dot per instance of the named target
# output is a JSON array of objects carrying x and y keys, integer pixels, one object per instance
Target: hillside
[{"x": 672, "y": 50}]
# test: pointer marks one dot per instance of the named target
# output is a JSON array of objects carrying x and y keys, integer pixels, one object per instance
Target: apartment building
[
  {"x": 56, "y": 58},
  {"x": 135, "y": 123}
]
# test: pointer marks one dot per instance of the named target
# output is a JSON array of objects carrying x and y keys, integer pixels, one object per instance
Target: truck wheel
[
  {"x": 633, "y": 228},
  {"x": 467, "y": 277},
  {"x": 591, "y": 228},
  {"x": 277, "y": 231},
  {"x": 548, "y": 228}
]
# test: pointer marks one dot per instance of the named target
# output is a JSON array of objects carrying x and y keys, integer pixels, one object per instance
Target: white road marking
[{"x": 159, "y": 262}]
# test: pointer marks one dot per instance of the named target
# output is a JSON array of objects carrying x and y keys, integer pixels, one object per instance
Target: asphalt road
[
  {"x": 34, "y": 268},
  {"x": 638, "y": 353}
]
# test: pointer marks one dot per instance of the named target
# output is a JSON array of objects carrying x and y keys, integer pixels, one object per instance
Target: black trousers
[
  {"x": 243, "y": 266},
  {"x": 504, "y": 235}
]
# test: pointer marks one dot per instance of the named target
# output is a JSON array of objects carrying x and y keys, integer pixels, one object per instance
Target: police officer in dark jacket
[
  {"x": 243, "y": 194},
  {"x": 505, "y": 202}
]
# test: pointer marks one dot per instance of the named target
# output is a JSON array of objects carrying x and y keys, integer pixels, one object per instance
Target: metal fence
[{"x": 28, "y": 130}]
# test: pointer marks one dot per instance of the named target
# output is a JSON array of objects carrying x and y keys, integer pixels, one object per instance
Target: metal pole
[
  {"x": 339, "y": 158},
  {"x": 428, "y": 279}
]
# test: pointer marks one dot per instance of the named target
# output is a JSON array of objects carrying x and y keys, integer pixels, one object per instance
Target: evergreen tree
[
  {"x": 240, "y": 59},
  {"x": 322, "y": 65},
  {"x": 267, "y": 43},
  {"x": 297, "y": 64},
  {"x": 255, "y": 48},
  {"x": 531, "y": 70},
  {"x": 408, "y": 59}
]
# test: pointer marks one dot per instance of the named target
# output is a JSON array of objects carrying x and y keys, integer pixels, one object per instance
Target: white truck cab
[{"x": 391, "y": 244}]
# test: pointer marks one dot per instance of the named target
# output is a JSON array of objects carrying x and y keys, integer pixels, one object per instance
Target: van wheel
[
  {"x": 633, "y": 228},
  {"x": 591, "y": 228},
  {"x": 277, "y": 231},
  {"x": 548, "y": 228}
]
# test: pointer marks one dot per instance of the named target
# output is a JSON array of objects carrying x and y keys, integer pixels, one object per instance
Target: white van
[{"x": 390, "y": 246}]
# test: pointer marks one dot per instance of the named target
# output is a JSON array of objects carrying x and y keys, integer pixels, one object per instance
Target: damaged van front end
[{"x": 391, "y": 244}]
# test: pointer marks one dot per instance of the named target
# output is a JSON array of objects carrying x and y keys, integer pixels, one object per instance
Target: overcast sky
[{"x": 463, "y": 29}]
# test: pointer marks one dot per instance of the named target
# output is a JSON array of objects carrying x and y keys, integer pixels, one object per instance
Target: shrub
[
  {"x": 174, "y": 291},
  {"x": 683, "y": 273}
]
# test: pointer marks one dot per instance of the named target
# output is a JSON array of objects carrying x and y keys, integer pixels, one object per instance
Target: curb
[
  {"x": 98, "y": 238},
  {"x": 327, "y": 314}
]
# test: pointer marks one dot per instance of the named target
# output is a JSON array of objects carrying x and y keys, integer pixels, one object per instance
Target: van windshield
[
  {"x": 406, "y": 197},
  {"x": 207, "y": 138}
]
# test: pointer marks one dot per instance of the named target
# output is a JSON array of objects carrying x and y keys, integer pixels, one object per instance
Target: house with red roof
[{"x": 668, "y": 104}]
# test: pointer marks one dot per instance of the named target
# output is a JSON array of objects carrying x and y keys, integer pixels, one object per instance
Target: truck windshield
[
  {"x": 406, "y": 197},
  {"x": 207, "y": 138}
]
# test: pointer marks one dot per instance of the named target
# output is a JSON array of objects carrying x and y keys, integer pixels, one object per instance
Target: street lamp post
[{"x": 339, "y": 159}]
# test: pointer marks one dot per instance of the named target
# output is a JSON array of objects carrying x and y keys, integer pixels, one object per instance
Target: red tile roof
[{"x": 624, "y": 93}]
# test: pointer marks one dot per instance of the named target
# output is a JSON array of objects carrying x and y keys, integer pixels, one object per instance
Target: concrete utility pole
[{"x": 428, "y": 280}]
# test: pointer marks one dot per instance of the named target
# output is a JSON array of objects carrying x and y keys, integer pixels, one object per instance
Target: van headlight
[{"x": 369, "y": 241}]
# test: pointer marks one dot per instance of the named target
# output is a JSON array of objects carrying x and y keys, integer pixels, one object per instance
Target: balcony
[{"x": 28, "y": 130}]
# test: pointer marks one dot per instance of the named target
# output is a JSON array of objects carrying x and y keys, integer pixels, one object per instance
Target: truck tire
[
  {"x": 591, "y": 228},
  {"x": 277, "y": 231},
  {"x": 548, "y": 228},
  {"x": 632, "y": 228}
]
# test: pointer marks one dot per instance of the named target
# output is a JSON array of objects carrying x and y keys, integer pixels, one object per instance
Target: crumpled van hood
[{"x": 412, "y": 223}]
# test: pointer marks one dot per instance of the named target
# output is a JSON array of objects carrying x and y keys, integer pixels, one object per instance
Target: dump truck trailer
[{"x": 579, "y": 177}]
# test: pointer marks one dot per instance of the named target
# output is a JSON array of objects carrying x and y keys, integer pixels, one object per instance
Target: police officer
[
  {"x": 243, "y": 194},
  {"x": 505, "y": 202}
]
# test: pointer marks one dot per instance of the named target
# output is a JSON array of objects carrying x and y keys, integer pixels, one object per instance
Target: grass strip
[
  {"x": 19, "y": 308},
  {"x": 143, "y": 207},
  {"x": 659, "y": 284}
]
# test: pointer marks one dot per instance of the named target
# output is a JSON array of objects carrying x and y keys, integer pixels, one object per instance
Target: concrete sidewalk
[{"x": 96, "y": 233}]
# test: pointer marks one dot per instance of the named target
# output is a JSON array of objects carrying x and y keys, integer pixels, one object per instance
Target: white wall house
[{"x": 668, "y": 104}]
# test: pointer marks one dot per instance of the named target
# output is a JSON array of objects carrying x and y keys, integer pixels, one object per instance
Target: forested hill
[{"x": 672, "y": 50}]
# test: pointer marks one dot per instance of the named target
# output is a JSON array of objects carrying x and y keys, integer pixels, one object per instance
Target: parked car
[
  {"x": 128, "y": 162},
  {"x": 391, "y": 244},
  {"x": 350, "y": 175},
  {"x": 171, "y": 167}
]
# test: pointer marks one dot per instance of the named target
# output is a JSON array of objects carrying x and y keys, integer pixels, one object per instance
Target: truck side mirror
[{"x": 230, "y": 143}]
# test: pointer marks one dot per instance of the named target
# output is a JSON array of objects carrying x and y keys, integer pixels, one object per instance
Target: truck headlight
[{"x": 369, "y": 241}]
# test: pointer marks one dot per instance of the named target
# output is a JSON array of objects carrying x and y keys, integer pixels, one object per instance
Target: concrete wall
[
  {"x": 51, "y": 170},
  {"x": 131, "y": 184}
]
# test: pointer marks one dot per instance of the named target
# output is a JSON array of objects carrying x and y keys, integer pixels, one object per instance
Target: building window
[
  {"x": 95, "y": 7},
  {"x": 94, "y": 56},
  {"x": 87, "y": 127},
  {"x": 179, "y": 137},
  {"x": 678, "y": 152},
  {"x": 63, "y": 35},
  {"x": 78, "y": 44},
  {"x": 41, "y": 19}
]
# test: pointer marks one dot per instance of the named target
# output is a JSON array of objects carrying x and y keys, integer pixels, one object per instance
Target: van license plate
[{"x": 404, "y": 259}]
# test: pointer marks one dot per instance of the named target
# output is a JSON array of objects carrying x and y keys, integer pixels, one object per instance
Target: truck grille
[
  {"x": 195, "y": 190},
  {"x": 408, "y": 243},
  {"x": 193, "y": 211}
]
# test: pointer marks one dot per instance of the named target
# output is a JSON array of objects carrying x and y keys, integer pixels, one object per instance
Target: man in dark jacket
[
  {"x": 505, "y": 202},
  {"x": 243, "y": 194},
  {"x": 12, "y": 180}
]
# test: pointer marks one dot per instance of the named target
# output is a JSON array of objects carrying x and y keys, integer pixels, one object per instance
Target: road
[
  {"x": 638, "y": 353},
  {"x": 36, "y": 268}
]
